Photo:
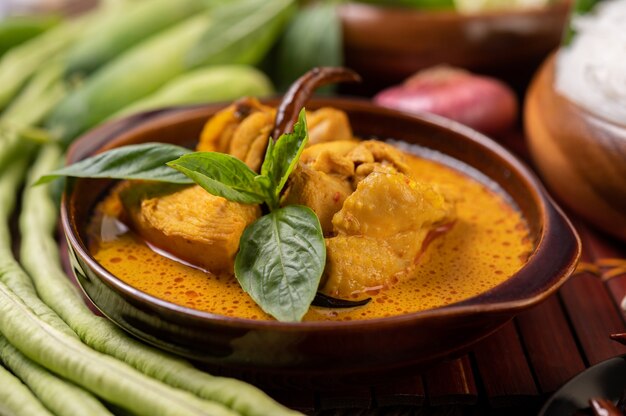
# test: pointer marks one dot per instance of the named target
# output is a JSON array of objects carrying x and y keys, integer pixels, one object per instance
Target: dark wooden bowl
[
  {"x": 387, "y": 44},
  {"x": 580, "y": 155},
  {"x": 325, "y": 353}
]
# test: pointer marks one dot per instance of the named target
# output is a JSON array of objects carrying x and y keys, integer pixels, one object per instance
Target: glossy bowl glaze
[
  {"x": 387, "y": 44},
  {"x": 581, "y": 155},
  {"x": 325, "y": 352}
]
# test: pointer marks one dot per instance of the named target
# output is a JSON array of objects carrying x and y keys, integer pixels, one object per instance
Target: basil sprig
[
  {"x": 281, "y": 255},
  {"x": 138, "y": 161},
  {"x": 280, "y": 261},
  {"x": 222, "y": 175}
]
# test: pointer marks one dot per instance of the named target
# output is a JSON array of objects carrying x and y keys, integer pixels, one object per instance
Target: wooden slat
[
  {"x": 403, "y": 392},
  {"x": 503, "y": 368},
  {"x": 592, "y": 313},
  {"x": 451, "y": 382},
  {"x": 346, "y": 398},
  {"x": 550, "y": 345},
  {"x": 605, "y": 254}
]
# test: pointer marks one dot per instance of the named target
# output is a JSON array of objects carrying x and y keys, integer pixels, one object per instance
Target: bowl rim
[{"x": 549, "y": 212}]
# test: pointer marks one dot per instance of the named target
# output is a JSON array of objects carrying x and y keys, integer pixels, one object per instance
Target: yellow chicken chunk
[
  {"x": 191, "y": 224},
  {"x": 328, "y": 124},
  {"x": 385, "y": 204},
  {"x": 388, "y": 217},
  {"x": 321, "y": 192},
  {"x": 243, "y": 129},
  {"x": 337, "y": 149},
  {"x": 372, "y": 260},
  {"x": 249, "y": 139},
  {"x": 218, "y": 131}
]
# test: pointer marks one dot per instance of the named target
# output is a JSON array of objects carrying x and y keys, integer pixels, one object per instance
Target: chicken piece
[
  {"x": 189, "y": 223},
  {"x": 385, "y": 204},
  {"x": 241, "y": 130},
  {"x": 332, "y": 163},
  {"x": 328, "y": 124},
  {"x": 322, "y": 180},
  {"x": 327, "y": 172},
  {"x": 321, "y": 192},
  {"x": 364, "y": 170},
  {"x": 382, "y": 153},
  {"x": 249, "y": 140},
  {"x": 354, "y": 158},
  {"x": 360, "y": 154},
  {"x": 389, "y": 214},
  {"x": 372, "y": 260},
  {"x": 339, "y": 148}
]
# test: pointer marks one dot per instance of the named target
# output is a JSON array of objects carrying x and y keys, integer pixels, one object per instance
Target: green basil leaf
[
  {"x": 140, "y": 161},
  {"x": 222, "y": 175},
  {"x": 280, "y": 261},
  {"x": 281, "y": 157}
]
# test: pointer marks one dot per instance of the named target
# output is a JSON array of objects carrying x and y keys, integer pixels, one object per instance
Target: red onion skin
[{"x": 483, "y": 103}]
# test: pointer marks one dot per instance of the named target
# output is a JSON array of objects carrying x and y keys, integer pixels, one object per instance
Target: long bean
[
  {"x": 11, "y": 273},
  {"x": 16, "y": 399},
  {"x": 111, "y": 36},
  {"x": 16, "y": 30},
  {"x": 12, "y": 146},
  {"x": 14, "y": 154},
  {"x": 105, "y": 376},
  {"x": 59, "y": 396},
  {"x": 39, "y": 255},
  {"x": 136, "y": 73},
  {"x": 20, "y": 63},
  {"x": 37, "y": 98}
]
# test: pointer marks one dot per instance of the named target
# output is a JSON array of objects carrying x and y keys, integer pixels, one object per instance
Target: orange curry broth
[{"x": 486, "y": 245}]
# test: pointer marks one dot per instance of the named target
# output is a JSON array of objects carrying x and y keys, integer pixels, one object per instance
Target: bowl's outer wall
[
  {"x": 580, "y": 155},
  {"x": 347, "y": 348},
  {"x": 388, "y": 44}
]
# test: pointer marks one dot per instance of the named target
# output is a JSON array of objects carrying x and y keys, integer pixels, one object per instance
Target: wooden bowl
[
  {"x": 387, "y": 44},
  {"x": 581, "y": 156},
  {"x": 325, "y": 353}
]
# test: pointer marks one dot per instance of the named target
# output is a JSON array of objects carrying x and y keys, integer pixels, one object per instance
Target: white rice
[{"x": 591, "y": 71}]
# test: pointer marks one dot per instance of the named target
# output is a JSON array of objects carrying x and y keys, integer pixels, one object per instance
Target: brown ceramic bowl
[
  {"x": 580, "y": 155},
  {"x": 326, "y": 352},
  {"x": 388, "y": 44}
]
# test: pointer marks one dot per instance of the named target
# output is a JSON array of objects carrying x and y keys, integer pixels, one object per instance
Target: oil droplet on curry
[{"x": 409, "y": 232}]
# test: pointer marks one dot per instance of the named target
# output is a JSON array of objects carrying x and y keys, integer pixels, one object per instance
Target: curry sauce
[{"x": 487, "y": 243}]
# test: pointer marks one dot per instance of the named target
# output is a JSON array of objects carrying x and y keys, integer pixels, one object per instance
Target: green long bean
[
  {"x": 39, "y": 255},
  {"x": 59, "y": 396},
  {"x": 37, "y": 98},
  {"x": 16, "y": 399},
  {"x": 11, "y": 273},
  {"x": 20, "y": 63},
  {"x": 105, "y": 376}
]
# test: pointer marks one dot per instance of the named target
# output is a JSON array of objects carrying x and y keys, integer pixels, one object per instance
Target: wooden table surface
[{"x": 515, "y": 370}]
